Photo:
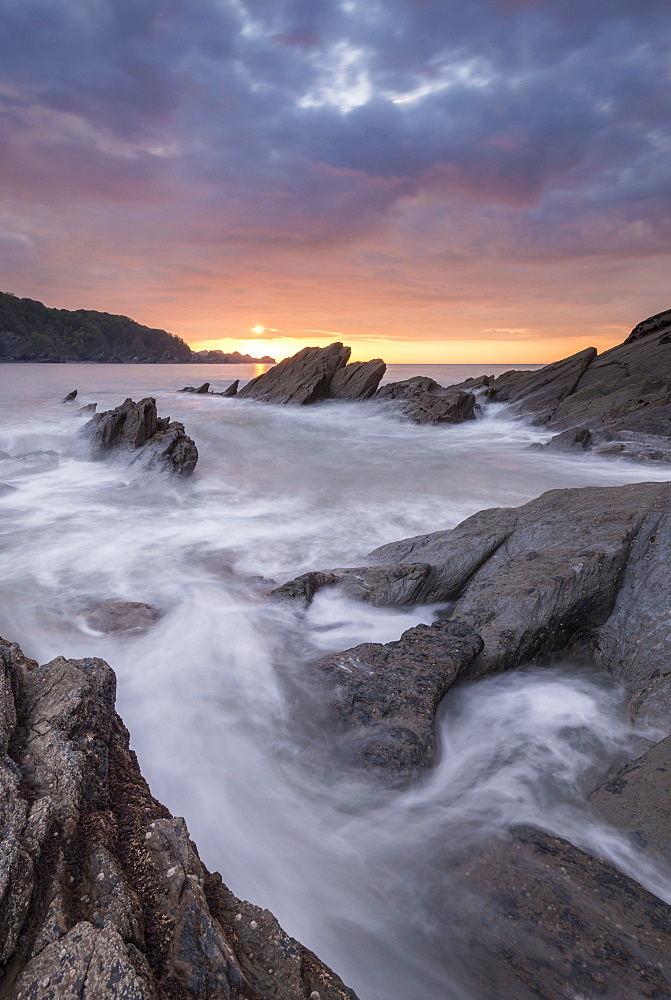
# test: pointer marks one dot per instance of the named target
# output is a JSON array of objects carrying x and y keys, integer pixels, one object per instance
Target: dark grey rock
[
  {"x": 357, "y": 380},
  {"x": 6, "y": 488},
  {"x": 231, "y": 391},
  {"x": 302, "y": 379},
  {"x": 424, "y": 401},
  {"x": 88, "y": 408},
  {"x": 201, "y": 390},
  {"x": 303, "y": 588},
  {"x": 572, "y": 440},
  {"x": 136, "y": 429},
  {"x": 117, "y": 617},
  {"x": 532, "y": 916},
  {"x": 4, "y": 455},
  {"x": 70, "y": 397},
  {"x": 103, "y": 895},
  {"x": 637, "y": 801},
  {"x": 623, "y": 396},
  {"x": 385, "y": 696}
]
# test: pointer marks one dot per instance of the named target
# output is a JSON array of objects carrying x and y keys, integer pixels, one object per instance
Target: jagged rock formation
[
  {"x": 204, "y": 389},
  {"x": 217, "y": 357},
  {"x": 539, "y": 918},
  {"x": 137, "y": 429},
  {"x": 103, "y": 894},
  {"x": 621, "y": 398},
  {"x": 302, "y": 379},
  {"x": 424, "y": 401},
  {"x": 583, "y": 571},
  {"x": 357, "y": 380}
]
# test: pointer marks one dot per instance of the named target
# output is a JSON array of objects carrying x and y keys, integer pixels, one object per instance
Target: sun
[{"x": 258, "y": 329}]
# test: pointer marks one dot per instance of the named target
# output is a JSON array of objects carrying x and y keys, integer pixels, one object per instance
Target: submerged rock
[
  {"x": 103, "y": 894},
  {"x": 231, "y": 391},
  {"x": 136, "y": 429},
  {"x": 70, "y": 397},
  {"x": 302, "y": 379},
  {"x": 30, "y": 463},
  {"x": 115, "y": 617},
  {"x": 424, "y": 401},
  {"x": 204, "y": 388}
]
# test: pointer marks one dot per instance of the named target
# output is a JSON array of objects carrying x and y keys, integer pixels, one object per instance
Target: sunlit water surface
[{"x": 210, "y": 694}]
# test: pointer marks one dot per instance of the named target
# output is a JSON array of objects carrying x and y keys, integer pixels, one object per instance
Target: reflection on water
[{"x": 278, "y": 491}]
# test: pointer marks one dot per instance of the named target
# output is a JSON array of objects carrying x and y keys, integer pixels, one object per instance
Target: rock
[
  {"x": 136, "y": 429},
  {"x": 232, "y": 390},
  {"x": 4, "y": 455},
  {"x": 114, "y": 617},
  {"x": 385, "y": 696},
  {"x": 535, "y": 917},
  {"x": 303, "y": 588},
  {"x": 424, "y": 401},
  {"x": 637, "y": 801},
  {"x": 70, "y": 397},
  {"x": 574, "y": 439},
  {"x": 103, "y": 894},
  {"x": 201, "y": 390},
  {"x": 581, "y": 571},
  {"x": 357, "y": 380},
  {"x": 623, "y": 396},
  {"x": 6, "y": 488},
  {"x": 30, "y": 463},
  {"x": 89, "y": 408},
  {"x": 542, "y": 391},
  {"x": 302, "y": 379}
]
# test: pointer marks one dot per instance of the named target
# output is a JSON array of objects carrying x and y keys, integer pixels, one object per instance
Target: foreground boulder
[
  {"x": 120, "y": 617},
  {"x": 424, "y": 401},
  {"x": 357, "y": 380},
  {"x": 103, "y": 894},
  {"x": 621, "y": 397},
  {"x": 135, "y": 428},
  {"x": 582, "y": 572},
  {"x": 539, "y": 918}
]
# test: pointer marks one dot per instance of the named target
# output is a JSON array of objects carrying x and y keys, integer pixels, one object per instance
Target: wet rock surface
[
  {"x": 621, "y": 397},
  {"x": 539, "y": 918},
  {"x": 29, "y": 463},
  {"x": 137, "y": 429},
  {"x": 424, "y": 401},
  {"x": 637, "y": 801},
  {"x": 103, "y": 894},
  {"x": 580, "y": 571},
  {"x": 385, "y": 696},
  {"x": 357, "y": 380}
]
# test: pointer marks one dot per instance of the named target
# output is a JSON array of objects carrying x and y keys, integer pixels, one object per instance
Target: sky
[{"x": 426, "y": 180}]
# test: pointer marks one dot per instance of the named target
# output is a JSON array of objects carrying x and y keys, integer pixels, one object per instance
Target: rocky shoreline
[{"x": 104, "y": 895}]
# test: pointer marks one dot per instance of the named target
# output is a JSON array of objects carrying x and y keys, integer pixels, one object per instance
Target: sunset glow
[{"x": 428, "y": 181}]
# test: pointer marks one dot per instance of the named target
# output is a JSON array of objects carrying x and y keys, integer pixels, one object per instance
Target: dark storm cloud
[{"x": 304, "y": 121}]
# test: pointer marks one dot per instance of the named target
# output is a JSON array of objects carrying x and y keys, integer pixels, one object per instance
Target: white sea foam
[{"x": 279, "y": 491}]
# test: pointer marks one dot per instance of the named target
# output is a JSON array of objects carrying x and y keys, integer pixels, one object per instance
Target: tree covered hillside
[{"x": 30, "y": 331}]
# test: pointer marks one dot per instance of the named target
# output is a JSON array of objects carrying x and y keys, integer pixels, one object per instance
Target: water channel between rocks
[{"x": 279, "y": 491}]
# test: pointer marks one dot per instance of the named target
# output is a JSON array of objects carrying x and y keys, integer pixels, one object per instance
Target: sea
[{"x": 217, "y": 694}]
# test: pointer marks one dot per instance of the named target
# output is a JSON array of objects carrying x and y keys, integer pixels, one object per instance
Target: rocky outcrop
[
  {"x": 424, "y": 401},
  {"x": 302, "y": 379},
  {"x": 357, "y": 380},
  {"x": 70, "y": 397},
  {"x": 385, "y": 696},
  {"x": 622, "y": 397},
  {"x": 204, "y": 389},
  {"x": 137, "y": 430},
  {"x": 103, "y": 894},
  {"x": 539, "y": 918},
  {"x": 581, "y": 571}
]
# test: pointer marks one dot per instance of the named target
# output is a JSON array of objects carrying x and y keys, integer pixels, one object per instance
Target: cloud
[{"x": 369, "y": 138}]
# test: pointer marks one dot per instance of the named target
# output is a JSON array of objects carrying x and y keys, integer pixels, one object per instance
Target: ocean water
[{"x": 216, "y": 695}]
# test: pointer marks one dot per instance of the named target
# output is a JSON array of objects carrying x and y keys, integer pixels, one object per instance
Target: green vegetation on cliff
[{"x": 30, "y": 331}]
